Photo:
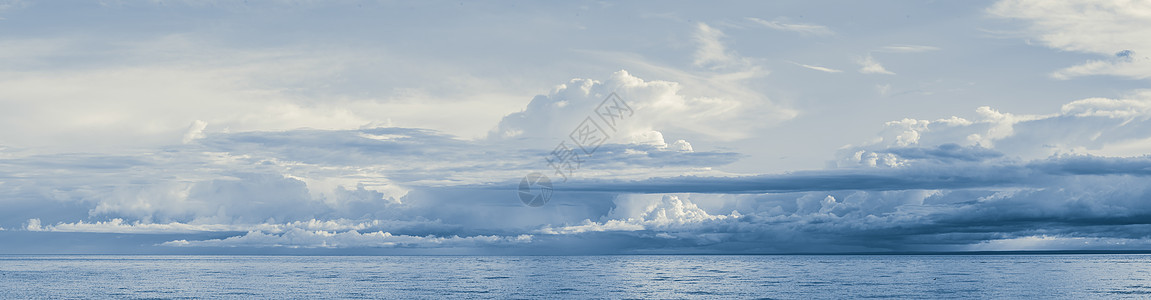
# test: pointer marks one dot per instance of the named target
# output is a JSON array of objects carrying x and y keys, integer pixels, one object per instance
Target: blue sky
[{"x": 377, "y": 127}]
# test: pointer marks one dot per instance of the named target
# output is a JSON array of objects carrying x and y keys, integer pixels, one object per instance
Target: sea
[{"x": 1060, "y": 276}]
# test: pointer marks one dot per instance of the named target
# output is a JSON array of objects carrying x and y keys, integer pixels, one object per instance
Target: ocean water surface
[{"x": 755, "y": 277}]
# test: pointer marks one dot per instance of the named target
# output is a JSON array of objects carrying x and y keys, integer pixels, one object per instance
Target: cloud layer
[
  {"x": 999, "y": 181},
  {"x": 278, "y": 130}
]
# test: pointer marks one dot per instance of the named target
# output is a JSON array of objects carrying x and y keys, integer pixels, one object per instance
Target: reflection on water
[{"x": 1047, "y": 276}]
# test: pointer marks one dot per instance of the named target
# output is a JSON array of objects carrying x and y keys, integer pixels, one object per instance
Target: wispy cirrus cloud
[
  {"x": 804, "y": 29},
  {"x": 711, "y": 51},
  {"x": 903, "y": 48},
  {"x": 818, "y": 68},
  {"x": 1114, "y": 30}
]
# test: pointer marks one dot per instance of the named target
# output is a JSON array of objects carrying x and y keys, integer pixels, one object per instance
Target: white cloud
[
  {"x": 1133, "y": 67},
  {"x": 268, "y": 181},
  {"x": 1116, "y": 30},
  {"x": 33, "y": 225},
  {"x": 229, "y": 154},
  {"x": 145, "y": 93},
  {"x": 900, "y": 48},
  {"x": 989, "y": 149},
  {"x": 1098, "y": 126},
  {"x": 195, "y": 131},
  {"x": 910, "y": 219},
  {"x": 242, "y": 198},
  {"x": 118, "y": 225},
  {"x": 645, "y": 212},
  {"x": 657, "y": 105},
  {"x": 1137, "y": 108},
  {"x": 682, "y": 145},
  {"x": 804, "y": 29},
  {"x": 819, "y": 68},
  {"x": 711, "y": 52},
  {"x": 589, "y": 226},
  {"x": 725, "y": 81},
  {"x": 1045, "y": 242},
  {"x": 868, "y": 65},
  {"x": 300, "y": 238}
]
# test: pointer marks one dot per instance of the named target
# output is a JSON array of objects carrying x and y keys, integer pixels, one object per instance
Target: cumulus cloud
[
  {"x": 666, "y": 217},
  {"x": 33, "y": 225},
  {"x": 722, "y": 78},
  {"x": 245, "y": 179},
  {"x": 984, "y": 182},
  {"x": 399, "y": 180},
  {"x": 946, "y": 185},
  {"x": 868, "y": 65},
  {"x": 244, "y": 174},
  {"x": 1115, "y": 30},
  {"x": 1098, "y": 126},
  {"x": 804, "y": 29},
  {"x": 655, "y": 105},
  {"x": 1091, "y": 208}
]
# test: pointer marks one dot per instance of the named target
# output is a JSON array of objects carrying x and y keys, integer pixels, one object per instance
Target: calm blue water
[{"x": 1042, "y": 276}]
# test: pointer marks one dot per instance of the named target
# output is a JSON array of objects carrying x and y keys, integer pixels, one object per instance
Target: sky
[{"x": 381, "y": 127}]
